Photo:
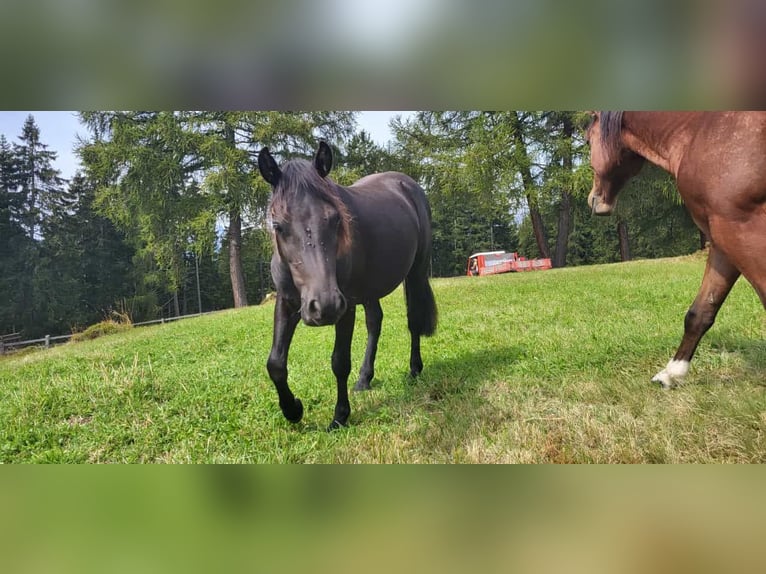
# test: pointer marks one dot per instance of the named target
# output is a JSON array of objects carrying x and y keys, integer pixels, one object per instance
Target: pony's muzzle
[{"x": 327, "y": 310}]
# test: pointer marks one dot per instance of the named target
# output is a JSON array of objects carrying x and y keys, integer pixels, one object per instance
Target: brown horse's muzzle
[{"x": 597, "y": 204}]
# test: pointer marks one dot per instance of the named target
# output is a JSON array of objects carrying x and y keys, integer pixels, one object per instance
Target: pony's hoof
[
  {"x": 295, "y": 414},
  {"x": 362, "y": 386},
  {"x": 335, "y": 425}
]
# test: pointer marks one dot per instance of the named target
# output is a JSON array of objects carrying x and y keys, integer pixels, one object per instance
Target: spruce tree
[
  {"x": 39, "y": 183},
  {"x": 15, "y": 247}
]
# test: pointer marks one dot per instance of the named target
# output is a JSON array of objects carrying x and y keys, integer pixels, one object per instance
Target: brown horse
[{"x": 719, "y": 162}]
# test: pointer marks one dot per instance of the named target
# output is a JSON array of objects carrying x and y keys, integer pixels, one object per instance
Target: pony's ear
[
  {"x": 323, "y": 159},
  {"x": 268, "y": 167}
]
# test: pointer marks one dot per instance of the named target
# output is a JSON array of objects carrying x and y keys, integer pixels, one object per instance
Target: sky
[{"x": 59, "y": 131}]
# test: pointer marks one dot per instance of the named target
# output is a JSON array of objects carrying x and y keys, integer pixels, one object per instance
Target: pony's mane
[
  {"x": 299, "y": 175},
  {"x": 611, "y": 130}
]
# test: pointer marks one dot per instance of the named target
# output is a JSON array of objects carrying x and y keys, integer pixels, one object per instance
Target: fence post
[
  {"x": 47, "y": 341},
  {"x": 2, "y": 346}
]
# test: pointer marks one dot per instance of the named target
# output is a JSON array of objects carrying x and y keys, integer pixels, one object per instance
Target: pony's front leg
[
  {"x": 286, "y": 318},
  {"x": 720, "y": 275},
  {"x": 341, "y": 365},
  {"x": 373, "y": 315}
]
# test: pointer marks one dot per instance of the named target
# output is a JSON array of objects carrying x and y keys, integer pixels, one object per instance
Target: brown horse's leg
[
  {"x": 341, "y": 366},
  {"x": 373, "y": 315},
  {"x": 286, "y": 318},
  {"x": 720, "y": 275},
  {"x": 750, "y": 241}
]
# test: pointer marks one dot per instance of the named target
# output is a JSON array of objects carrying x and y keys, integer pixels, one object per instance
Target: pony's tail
[{"x": 422, "y": 315}]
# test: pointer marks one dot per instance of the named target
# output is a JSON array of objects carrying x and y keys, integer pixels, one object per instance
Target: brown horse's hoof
[{"x": 296, "y": 413}]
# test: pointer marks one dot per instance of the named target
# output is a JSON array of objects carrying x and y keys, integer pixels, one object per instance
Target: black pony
[{"x": 338, "y": 247}]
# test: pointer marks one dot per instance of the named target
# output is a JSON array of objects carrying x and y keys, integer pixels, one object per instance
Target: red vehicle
[{"x": 492, "y": 262}]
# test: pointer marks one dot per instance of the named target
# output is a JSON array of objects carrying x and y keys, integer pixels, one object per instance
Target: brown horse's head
[
  {"x": 612, "y": 162},
  {"x": 310, "y": 231}
]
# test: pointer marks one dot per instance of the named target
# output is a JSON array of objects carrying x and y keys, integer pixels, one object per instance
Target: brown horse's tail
[{"x": 422, "y": 315}]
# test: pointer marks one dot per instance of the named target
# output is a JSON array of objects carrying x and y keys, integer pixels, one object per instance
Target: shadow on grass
[
  {"x": 752, "y": 350},
  {"x": 446, "y": 391}
]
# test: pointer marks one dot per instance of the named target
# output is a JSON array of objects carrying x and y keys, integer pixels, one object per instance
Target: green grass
[{"x": 549, "y": 366}]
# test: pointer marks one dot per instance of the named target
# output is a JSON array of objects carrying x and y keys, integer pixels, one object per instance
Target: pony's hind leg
[
  {"x": 416, "y": 361},
  {"x": 341, "y": 366},
  {"x": 286, "y": 318},
  {"x": 373, "y": 315},
  {"x": 421, "y": 315},
  {"x": 720, "y": 275}
]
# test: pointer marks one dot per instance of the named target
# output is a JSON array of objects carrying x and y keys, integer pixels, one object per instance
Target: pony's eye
[{"x": 278, "y": 227}]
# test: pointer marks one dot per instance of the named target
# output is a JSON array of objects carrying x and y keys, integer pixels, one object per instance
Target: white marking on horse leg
[{"x": 673, "y": 374}]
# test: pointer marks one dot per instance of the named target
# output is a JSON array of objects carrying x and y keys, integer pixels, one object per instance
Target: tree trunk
[
  {"x": 538, "y": 228},
  {"x": 565, "y": 227},
  {"x": 235, "y": 259},
  {"x": 176, "y": 308},
  {"x": 622, "y": 231},
  {"x": 565, "y": 207},
  {"x": 526, "y": 177}
]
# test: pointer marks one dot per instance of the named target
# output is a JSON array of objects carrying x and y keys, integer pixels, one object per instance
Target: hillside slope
[{"x": 550, "y": 366}]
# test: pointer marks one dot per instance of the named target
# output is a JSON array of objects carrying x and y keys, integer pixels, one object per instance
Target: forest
[{"x": 167, "y": 216}]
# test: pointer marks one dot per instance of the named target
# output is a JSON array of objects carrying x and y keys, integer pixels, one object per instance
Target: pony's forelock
[{"x": 300, "y": 175}]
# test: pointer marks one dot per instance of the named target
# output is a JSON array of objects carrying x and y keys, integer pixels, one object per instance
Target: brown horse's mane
[
  {"x": 299, "y": 175},
  {"x": 611, "y": 130}
]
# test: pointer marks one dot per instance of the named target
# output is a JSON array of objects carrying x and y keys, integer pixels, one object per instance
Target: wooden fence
[{"x": 11, "y": 341}]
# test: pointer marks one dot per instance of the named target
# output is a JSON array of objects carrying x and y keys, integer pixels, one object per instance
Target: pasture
[{"x": 544, "y": 367}]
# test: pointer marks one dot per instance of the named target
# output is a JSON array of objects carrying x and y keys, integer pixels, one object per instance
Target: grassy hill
[{"x": 542, "y": 367}]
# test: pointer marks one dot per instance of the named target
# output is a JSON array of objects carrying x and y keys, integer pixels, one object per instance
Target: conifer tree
[{"x": 39, "y": 184}]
